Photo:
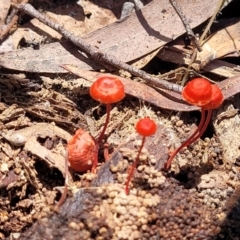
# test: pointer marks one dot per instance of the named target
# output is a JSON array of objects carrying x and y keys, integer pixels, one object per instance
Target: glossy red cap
[
  {"x": 217, "y": 98},
  {"x": 146, "y": 127},
  {"x": 81, "y": 151},
  {"x": 107, "y": 90},
  {"x": 197, "y": 92}
]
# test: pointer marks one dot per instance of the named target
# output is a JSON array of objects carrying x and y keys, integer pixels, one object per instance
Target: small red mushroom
[
  {"x": 81, "y": 151},
  {"x": 107, "y": 90},
  {"x": 80, "y": 155},
  {"x": 202, "y": 93},
  {"x": 145, "y": 127}
]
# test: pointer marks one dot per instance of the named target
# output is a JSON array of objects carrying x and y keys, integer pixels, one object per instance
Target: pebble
[
  {"x": 179, "y": 123},
  {"x": 16, "y": 139},
  {"x": 4, "y": 168},
  {"x": 74, "y": 226}
]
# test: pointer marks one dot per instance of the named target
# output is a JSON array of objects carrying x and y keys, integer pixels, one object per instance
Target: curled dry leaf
[
  {"x": 136, "y": 89},
  {"x": 222, "y": 68},
  {"x": 218, "y": 45},
  {"x": 164, "y": 99}
]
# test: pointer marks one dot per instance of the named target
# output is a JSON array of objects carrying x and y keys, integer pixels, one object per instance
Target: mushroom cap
[
  {"x": 81, "y": 151},
  {"x": 146, "y": 127},
  {"x": 197, "y": 92},
  {"x": 217, "y": 98},
  {"x": 107, "y": 90}
]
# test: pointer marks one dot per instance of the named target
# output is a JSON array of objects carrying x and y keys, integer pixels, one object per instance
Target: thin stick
[
  {"x": 194, "y": 55},
  {"x": 218, "y": 8},
  {"x": 186, "y": 24},
  {"x": 65, "y": 190},
  {"x": 97, "y": 55}
]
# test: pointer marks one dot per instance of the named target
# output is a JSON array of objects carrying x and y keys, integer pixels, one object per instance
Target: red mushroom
[
  {"x": 208, "y": 96},
  {"x": 81, "y": 150},
  {"x": 107, "y": 90},
  {"x": 145, "y": 127}
]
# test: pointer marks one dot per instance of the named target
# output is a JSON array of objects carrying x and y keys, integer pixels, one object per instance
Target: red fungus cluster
[
  {"x": 202, "y": 93},
  {"x": 82, "y": 149}
]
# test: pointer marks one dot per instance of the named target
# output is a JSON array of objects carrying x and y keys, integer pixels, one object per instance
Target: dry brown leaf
[
  {"x": 130, "y": 38},
  {"x": 219, "y": 44},
  {"x": 74, "y": 18},
  {"x": 31, "y": 134},
  {"x": 166, "y": 99},
  {"x": 154, "y": 25},
  {"x": 136, "y": 89},
  {"x": 143, "y": 61},
  {"x": 222, "y": 68},
  {"x": 46, "y": 59}
]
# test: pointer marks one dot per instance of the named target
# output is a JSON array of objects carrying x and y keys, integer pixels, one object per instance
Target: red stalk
[{"x": 133, "y": 167}]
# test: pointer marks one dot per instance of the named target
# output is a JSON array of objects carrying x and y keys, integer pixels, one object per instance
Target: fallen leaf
[
  {"x": 127, "y": 39},
  {"x": 46, "y": 59},
  {"x": 221, "y": 43},
  {"x": 31, "y": 134},
  {"x": 222, "y": 68},
  {"x": 151, "y": 27},
  {"x": 165, "y": 98},
  {"x": 138, "y": 90},
  {"x": 218, "y": 45}
]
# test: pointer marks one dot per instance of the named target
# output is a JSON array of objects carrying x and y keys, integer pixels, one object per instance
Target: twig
[
  {"x": 186, "y": 24},
  {"x": 5, "y": 31},
  {"x": 10, "y": 21},
  {"x": 218, "y": 8},
  {"x": 194, "y": 55},
  {"x": 96, "y": 54},
  {"x": 65, "y": 190}
]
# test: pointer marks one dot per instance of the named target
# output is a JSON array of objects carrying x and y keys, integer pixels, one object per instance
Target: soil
[{"x": 196, "y": 199}]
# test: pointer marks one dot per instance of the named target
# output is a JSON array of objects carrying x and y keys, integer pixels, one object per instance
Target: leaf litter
[{"x": 38, "y": 120}]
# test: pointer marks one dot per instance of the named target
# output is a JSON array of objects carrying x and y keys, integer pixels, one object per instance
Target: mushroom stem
[
  {"x": 191, "y": 139},
  {"x": 100, "y": 138},
  {"x": 204, "y": 127},
  {"x": 134, "y": 166},
  {"x": 95, "y": 159}
]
